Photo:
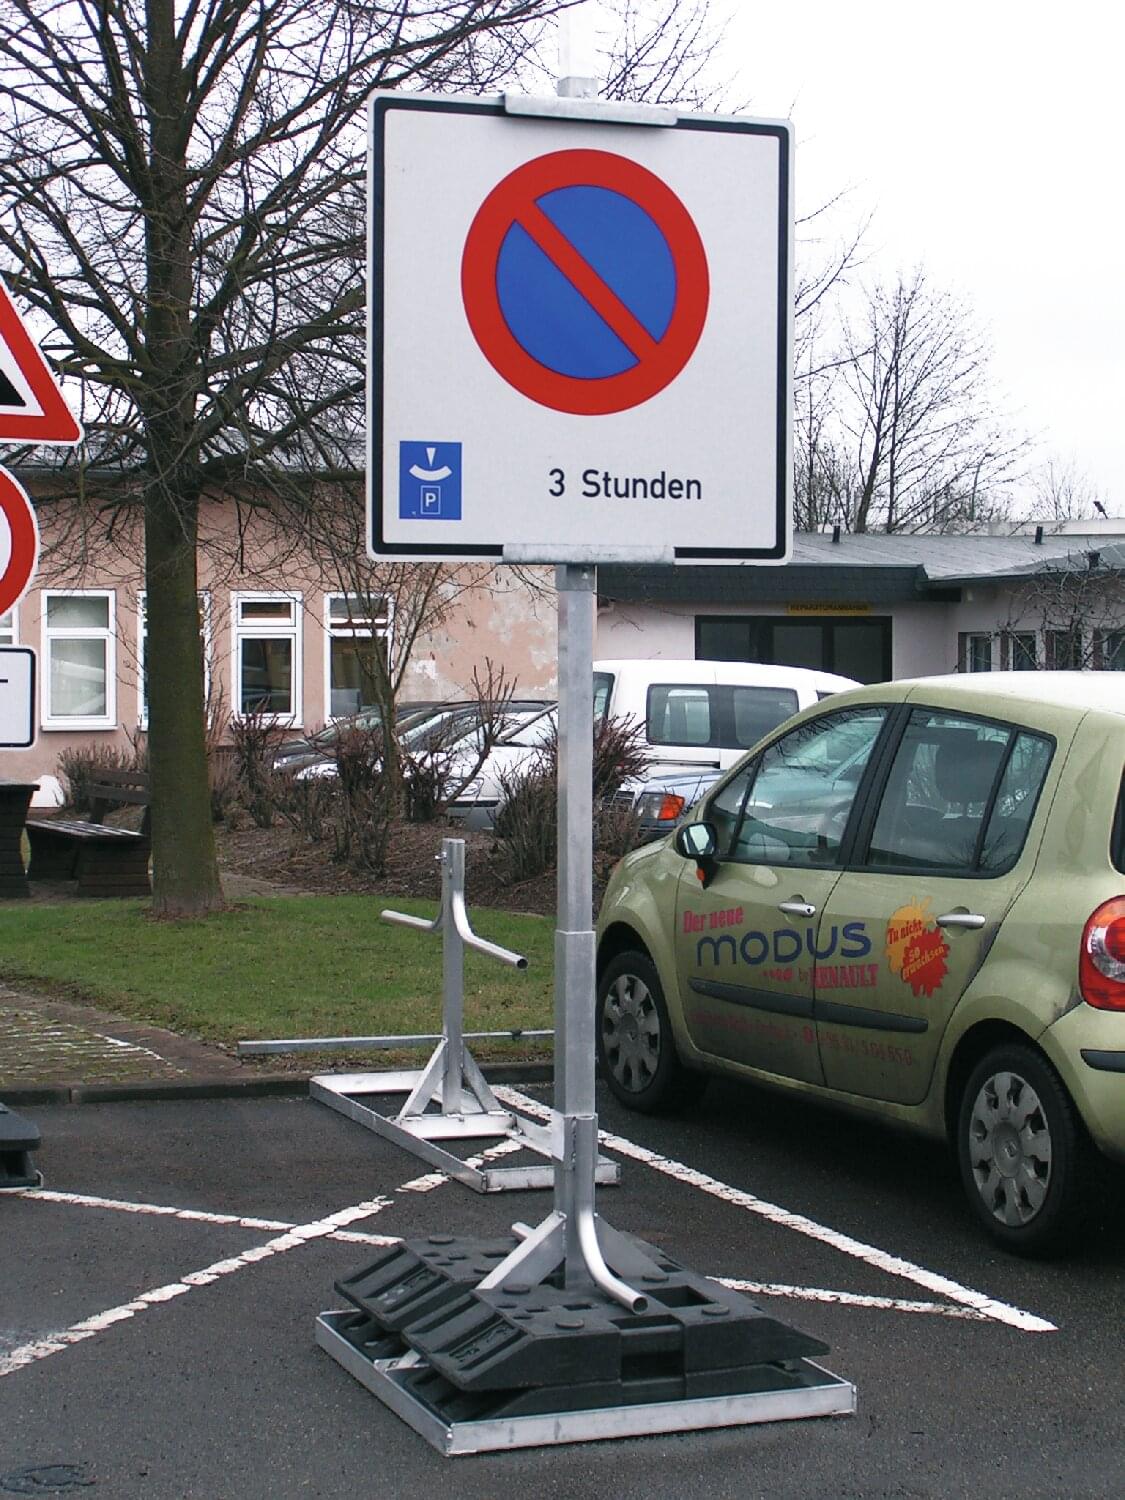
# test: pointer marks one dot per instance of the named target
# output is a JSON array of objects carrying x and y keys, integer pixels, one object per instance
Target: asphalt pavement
[{"x": 158, "y": 1296}]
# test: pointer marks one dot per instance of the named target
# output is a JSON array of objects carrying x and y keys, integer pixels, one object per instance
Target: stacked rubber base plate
[{"x": 520, "y": 1366}]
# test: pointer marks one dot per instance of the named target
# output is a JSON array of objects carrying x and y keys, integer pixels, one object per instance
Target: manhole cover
[{"x": 45, "y": 1479}]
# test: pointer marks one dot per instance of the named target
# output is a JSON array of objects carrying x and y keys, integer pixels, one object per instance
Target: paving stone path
[{"x": 47, "y": 1041}]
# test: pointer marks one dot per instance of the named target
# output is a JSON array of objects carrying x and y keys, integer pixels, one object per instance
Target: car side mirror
[{"x": 696, "y": 841}]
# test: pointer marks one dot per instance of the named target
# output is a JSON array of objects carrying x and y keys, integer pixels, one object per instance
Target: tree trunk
[
  {"x": 185, "y": 871},
  {"x": 185, "y": 875}
]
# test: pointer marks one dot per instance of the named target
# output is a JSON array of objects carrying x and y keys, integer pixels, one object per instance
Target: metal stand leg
[{"x": 466, "y": 1109}]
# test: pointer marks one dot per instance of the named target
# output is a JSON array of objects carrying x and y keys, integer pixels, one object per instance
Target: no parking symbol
[{"x": 585, "y": 282}]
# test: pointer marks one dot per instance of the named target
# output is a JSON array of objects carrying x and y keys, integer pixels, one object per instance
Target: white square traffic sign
[
  {"x": 17, "y": 697},
  {"x": 581, "y": 336}
]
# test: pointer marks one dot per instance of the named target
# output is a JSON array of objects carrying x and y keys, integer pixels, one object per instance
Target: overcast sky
[{"x": 988, "y": 139}]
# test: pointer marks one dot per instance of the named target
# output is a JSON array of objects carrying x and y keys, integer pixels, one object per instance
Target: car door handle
[
  {"x": 797, "y": 908},
  {"x": 971, "y": 919}
]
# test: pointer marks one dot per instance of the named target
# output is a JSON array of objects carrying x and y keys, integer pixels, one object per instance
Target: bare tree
[
  {"x": 1062, "y": 492},
  {"x": 183, "y": 183},
  {"x": 903, "y": 432},
  {"x": 1076, "y": 607}
]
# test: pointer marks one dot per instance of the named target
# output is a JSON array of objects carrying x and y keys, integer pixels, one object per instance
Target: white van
[{"x": 706, "y": 713}]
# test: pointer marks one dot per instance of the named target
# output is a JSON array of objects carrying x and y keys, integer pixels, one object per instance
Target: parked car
[
  {"x": 451, "y": 730},
  {"x": 909, "y": 902},
  {"x": 293, "y": 755}
]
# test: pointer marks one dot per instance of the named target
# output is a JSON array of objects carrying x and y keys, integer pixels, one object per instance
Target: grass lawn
[{"x": 279, "y": 967}]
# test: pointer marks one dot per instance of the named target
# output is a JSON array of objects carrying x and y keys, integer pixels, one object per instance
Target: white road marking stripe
[
  {"x": 86, "y": 1200},
  {"x": 871, "y": 1255},
  {"x": 851, "y": 1299},
  {"x": 300, "y": 1234},
  {"x": 290, "y": 1238}
]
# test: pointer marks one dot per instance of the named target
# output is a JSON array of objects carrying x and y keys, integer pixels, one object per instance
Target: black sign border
[{"x": 381, "y": 105}]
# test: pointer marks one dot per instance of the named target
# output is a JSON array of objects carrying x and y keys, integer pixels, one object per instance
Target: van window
[
  {"x": 721, "y": 716},
  {"x": 603, "y": 691}
]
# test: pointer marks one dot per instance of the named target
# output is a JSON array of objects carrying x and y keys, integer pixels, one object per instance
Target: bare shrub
[
  {"x": 527, "y": 823},
  {"x": 308, "y": 804},
  {"x": 255, "y": 738},
  {"x": 83, "y": 767},
  {"x": 366, "y": 800},
  {"x": 223, "y": 781},
  {"x": 437, "y": 772}
]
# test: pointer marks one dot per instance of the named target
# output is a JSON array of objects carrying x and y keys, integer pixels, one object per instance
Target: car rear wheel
[
  {"x": 1024, "y": 1157},
  {"x": 636, "y": 1050}
]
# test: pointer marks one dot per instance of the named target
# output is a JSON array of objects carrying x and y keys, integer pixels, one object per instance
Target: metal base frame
[
  {"x": 819, "y": 1394},
  {"x": 481, "y": 1118}
]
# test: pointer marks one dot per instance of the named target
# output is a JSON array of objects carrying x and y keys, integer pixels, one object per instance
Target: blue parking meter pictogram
[{"x": 429, "y": 481}]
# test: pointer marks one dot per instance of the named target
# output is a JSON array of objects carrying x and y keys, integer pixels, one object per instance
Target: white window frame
[
  {"x": 262, "y": 630},
  {"x": 204, "y": 597},
  {"x": 12, "y": 629},
  {"x": 364, "y": 628},
  {"x": 108, "y": 633}
]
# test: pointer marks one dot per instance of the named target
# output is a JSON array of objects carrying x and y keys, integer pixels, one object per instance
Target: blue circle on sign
[{"x": 547, "y": 315}]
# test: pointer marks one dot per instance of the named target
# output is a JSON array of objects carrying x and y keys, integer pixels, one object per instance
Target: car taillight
[
  {"x": 671, "y": 807},
  {"x": 1101, "y": 963}
]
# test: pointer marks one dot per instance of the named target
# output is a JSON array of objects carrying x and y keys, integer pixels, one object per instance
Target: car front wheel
[
  {"x": 636, "y": 1050},
  {"x": 1023, "y": 1155}
]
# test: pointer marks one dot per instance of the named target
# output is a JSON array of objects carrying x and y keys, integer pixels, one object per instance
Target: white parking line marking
[
  {"x": 894, "y": 1265},
  {"x": 852, "y": 1299},
  {"x": 301, "y": 1234},
  {"x": 199, "y": 1215},
  {"x": 292, "y": 1236}
]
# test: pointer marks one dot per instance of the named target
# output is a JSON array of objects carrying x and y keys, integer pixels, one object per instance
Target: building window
[
  {"x": 78, "y": 645},
  {"x": 1113, "y": 651},
  {"x": 859, "y": 647},
  {"x": 357, "y": 630},
  {"x": 1064, "y": 650},
  {"x": 979, "y": 654},
  {"x": 8, "y": 628},
  {"x": 267, "y": 655},
  {"x": 142, "y": 652},
  {"x": 1025, "y": 653}
]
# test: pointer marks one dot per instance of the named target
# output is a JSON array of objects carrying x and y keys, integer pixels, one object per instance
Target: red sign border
[
  {"x": 54, "y": 425},
  {"x": 24, "y": 530},
  {"x": 494, "y": 218}
]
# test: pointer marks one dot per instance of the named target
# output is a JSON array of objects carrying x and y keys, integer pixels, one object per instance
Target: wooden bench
[{"x": 105, "y": 861}]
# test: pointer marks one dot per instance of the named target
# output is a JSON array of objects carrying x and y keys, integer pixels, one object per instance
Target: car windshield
[{"x": 453, "y": 725}]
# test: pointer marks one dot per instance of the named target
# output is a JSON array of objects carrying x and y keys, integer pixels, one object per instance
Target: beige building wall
[{"x": 86, "y": 607}]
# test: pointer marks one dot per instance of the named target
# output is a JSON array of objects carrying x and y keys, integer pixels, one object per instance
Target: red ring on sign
[
  {"x": 503, "y": 207},
  {"x": 24, "y": 531}
]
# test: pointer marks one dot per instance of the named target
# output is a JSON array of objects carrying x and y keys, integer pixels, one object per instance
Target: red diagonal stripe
[{"x": 586, "y": 281}]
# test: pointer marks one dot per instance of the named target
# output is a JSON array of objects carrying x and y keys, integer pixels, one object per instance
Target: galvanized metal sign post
[{"x": 580, "y": 341}]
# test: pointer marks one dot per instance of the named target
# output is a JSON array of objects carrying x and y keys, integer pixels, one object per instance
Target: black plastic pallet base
[
  {"x": 694, "y": 1337},
  {"x": 455, "y": 1422},
  {"x": 18, "y": 1139}
]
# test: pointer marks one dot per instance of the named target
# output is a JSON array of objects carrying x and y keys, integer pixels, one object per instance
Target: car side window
[
  {"x": 725, "y": 808},
  {"x": 1016, "y": 801},
  {"x": 803, "y": 789},
  {"x": 959, "y": 795}
]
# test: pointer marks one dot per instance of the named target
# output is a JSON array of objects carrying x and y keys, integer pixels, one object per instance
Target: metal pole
[
  {"x": 453, "y": 974},
  {"x": 574, "y": 936}
]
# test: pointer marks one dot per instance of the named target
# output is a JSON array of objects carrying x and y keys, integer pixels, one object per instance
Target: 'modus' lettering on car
[{"x": 784, "y": 945}]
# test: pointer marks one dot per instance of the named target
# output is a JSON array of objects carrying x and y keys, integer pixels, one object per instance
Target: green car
[{"x": 908, "y": 901}]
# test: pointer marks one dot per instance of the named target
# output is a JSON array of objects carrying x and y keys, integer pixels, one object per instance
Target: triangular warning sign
[{"x": 32, "y": 407}]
